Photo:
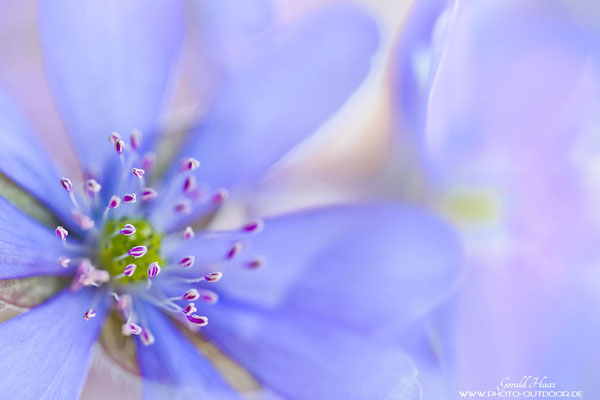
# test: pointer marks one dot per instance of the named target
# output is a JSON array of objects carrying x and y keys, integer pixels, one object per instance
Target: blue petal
[
  {"x": 46, "y": 351},
  {"x": 27, "y": 248},
  {"x": 301, "y": 356},
  {"x": 384, "y": 263},
  {"x": 108, "y": 63},
  {"x": 298, "y": 78},
  {"x": 173, "y": 368},
  {"x": 24, "y": 161}
]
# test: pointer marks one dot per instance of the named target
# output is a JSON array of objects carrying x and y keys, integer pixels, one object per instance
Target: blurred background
[{"x": 483, "y": 113}]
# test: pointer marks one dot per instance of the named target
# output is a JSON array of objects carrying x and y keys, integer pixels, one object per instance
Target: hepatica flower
[{"x": 296, "y": 301}]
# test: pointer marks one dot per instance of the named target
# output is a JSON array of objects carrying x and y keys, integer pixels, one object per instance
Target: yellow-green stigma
[{"x": 113, "y": 245}]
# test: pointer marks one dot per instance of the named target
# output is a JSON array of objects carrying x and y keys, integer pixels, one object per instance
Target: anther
[
  {"x": 119, "y": 146},
  {"x": 135, "y": 139},
  {"x": 191, "y": 295},
  {"x": 61, "y": 232},
  {"x": 146, "y": 337},
  {"x": 127, "y": 230},
  {"x": 198, "y": 319},
  {"x": 189, "y": 164},
  {"x": 138, "y": 172},
  {"x": 182, "y": 207},
  {"x": 189, "y": 184},
  {"x": 153, "y": 270},
  {"x": 188, "y": 233},
  {"x": 220, "y": 196},
  {"x": 92, "y": 187},
  {"x": 114, "y": 136},
  {"x": 114, "y": 202},
  {"x": 148, "y": 194},
  {"x": 66, "y": 184},
  {"x": 213, "y": 276},
  {"x": 187, "y": 261},
  {"x": 237, "y": 247},
  {"x": 89, "y": 314},
  {"x": 64, "y": 261},
  {"x": 189, "y": 309},
  {"x": 256, "y": 263},
  {"x": 129, "y": 270},
  {"x": 253, "y": 227},
  {"x": 129, "y": 198},
  {"x": 208, "y": 296},
  {"x": 131, "y": 328},
  {"x": 138, "y": 251}
]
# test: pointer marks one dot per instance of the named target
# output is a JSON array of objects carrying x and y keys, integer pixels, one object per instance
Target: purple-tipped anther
[
  {"x": 148, "y": 194},
  {"x": 198, "y": 319},
  {"x": 92, "y": 187},
  {"x": 131, "y": 328},
  {"x": 114, "y": 202},
  {"x": 253, "y": 227},
  {"x": 127, "y": 230},
  {"x": 188, "y": 233},
  {"x": 114, "y": 136},
  {"x": 135, "y": 139},
  {"x": 129, "y": 270},
  {"x": 89, "y": 314},
  {"x": 191, "y": 295},
  {"x": 61, "y": 232},
  {"x": 189, "y": 184},
  {"x": 64, "y": 261},
  {"x": 189, "y": 164},
  {"x": 258, "y": 262},
  {"x": 129, "y": 198},
  {"x": 213, "y": 276},
  {"x": 138, "y": 172},
  {"x": 153, "y": 270},
  {"x": 119, "y": 146},
  {"x": 208, "y": 296},
  {"x": 146, "y": 337},
  {"x": 66, "y": 184},
  {"x": 183, "y": 207},
  {"x": 187, "y": 261},
  {"x": 189, "y": 309},
  {"x": 220, "y": 196},
  {"x": 138, "y": 251},
  {"x": 235, "y": 249}
]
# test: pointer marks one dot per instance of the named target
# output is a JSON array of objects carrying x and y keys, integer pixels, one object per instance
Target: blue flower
[
  {"x": 502, "y": 99},
  {"x": 306, "y": 302}
]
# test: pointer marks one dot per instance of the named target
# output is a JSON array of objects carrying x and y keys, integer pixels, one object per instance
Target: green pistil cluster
[{"x": 113, "y": 245}]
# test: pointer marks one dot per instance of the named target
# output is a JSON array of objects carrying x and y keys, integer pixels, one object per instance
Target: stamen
[
  {"x": 135, "y": 252},
  {"x": 220, "y": 196},
  {"x": 119, "y": 146},
  {"x": 61, "y": 232},
  {"x": 153, "y": 270},
  {"x": 138, "y": 172},
  {"x": 208, "y": 296},
  {"x": 198, "y": 319},
  {"x": 148, "y": 194},
  {"x": 129, "y": 198},
  {"x": 188, "y": 233},
  {"x": 146, "y": 337},
  {"x": 210, "y": 277},
  {"x": 89, "y": 314},
  {"x": 189, "y": 164},
  {"x": 114, "y": 136},
  {"x": 131, "y": 328},
  {"x": 189, "y": 184},
  {"x": 256, "y": 263},
  {"x": 129, "y": 270},
  {"x": 64, "y": 261},
  {"x": 237, "y": 247},
  {"x": 114, "y": 202},
  {"x": 253, "y": 227},
  {"x": 82, "y": 220},
  {"x": 190, "y": 295},
  {"x": 135, "y": 139},
  {"x": 187, "y": 261},
  {"x": 92, "y": 187},
  {"x": 66, "y": 183},
  {"x": 189, "y": 309},
  {"x": 127, "y": 230}
]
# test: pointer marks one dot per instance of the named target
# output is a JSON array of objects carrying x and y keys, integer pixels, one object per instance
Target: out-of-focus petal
[
  {"x": 371, "y": 266},
  {"x": 27, "y": 248},
  {"x": 299, "y": 77},
  {"x": 46, "y": 351},
  {"x": 173, "y": 368},
  {"x": 24, "y": 161},
  {"x": 109, "y": 63},
  {"x": 302, "y": 356}
]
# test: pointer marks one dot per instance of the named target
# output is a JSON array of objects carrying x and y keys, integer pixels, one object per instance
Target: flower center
[{"x": 117, "y": 239}]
